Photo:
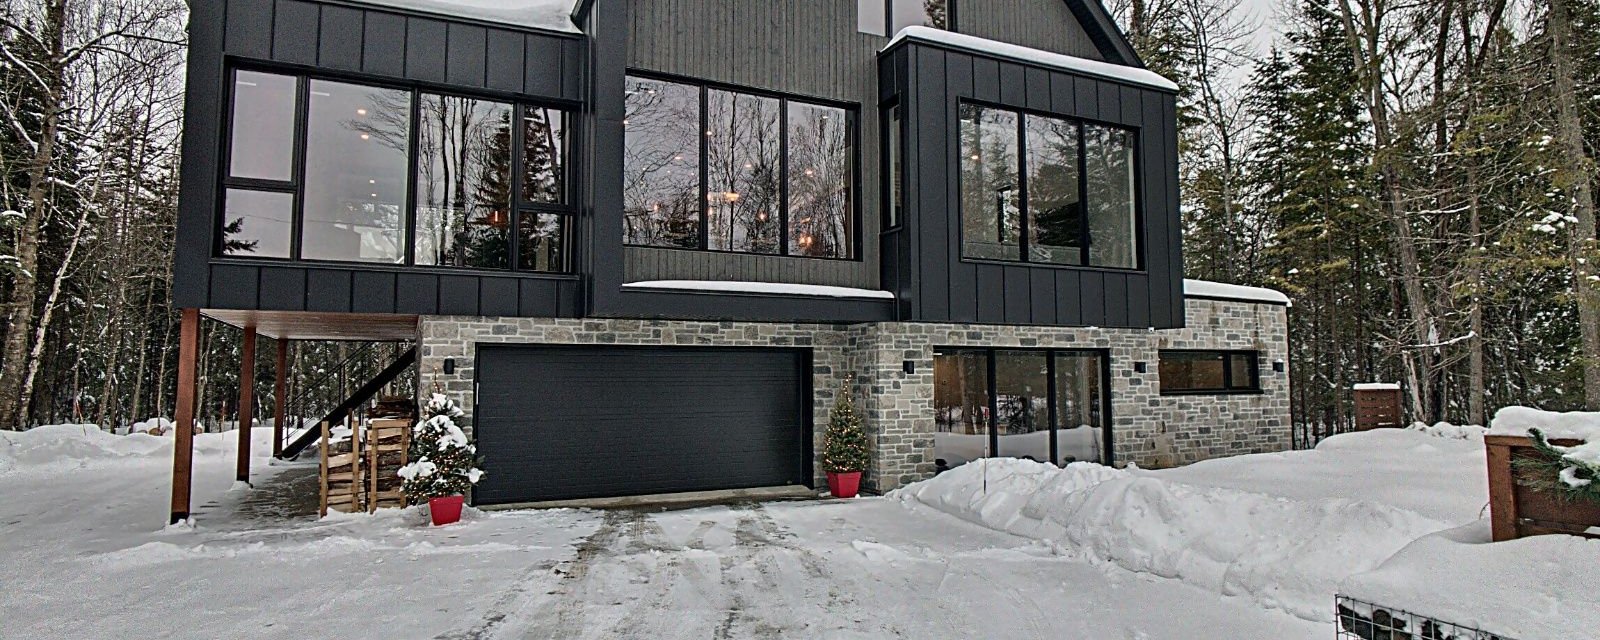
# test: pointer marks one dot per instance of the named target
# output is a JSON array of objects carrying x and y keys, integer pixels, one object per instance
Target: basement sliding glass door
[{"x": 1042, "y": 405}]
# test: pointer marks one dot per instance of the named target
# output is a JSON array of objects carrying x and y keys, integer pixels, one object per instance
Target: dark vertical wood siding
[
  {"x": 947, "y": 288},
  {"x": 360, "y": 42},
  {"x": 801, "y": 47},
  {"x": 1041, "y": 24}
]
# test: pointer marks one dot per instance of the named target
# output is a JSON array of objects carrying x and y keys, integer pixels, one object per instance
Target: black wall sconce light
[
  {"x": 1277, "y": 366},
  {"x": 1140, "y": 367},
  {"x": 449, "y": 366},
  {"x": 909, "y": 366}
]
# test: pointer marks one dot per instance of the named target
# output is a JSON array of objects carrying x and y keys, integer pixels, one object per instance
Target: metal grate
[{"x": 1368, "y": 621}]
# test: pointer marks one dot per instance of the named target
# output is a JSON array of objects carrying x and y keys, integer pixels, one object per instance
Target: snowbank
[
  {"x": 1538, "y": 588},
  {"x": 1452, "y": 431},
  {"x": 1280, "y": 553},
  {"x": 1516, "y": 421},
  {"x": 1283, "y": 536},
  {"x": 77, "y": 445}
]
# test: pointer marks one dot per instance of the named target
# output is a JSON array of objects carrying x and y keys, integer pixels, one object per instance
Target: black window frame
[
  {"x": 1252, "y": 387},
  {"x": 892, "y": 123},
  {"x": 295, "y": 186},
  {"x": 1108, "y": 443},
  {"x": 852, "y": 131},
  {"x": 1025, "y": 222}
]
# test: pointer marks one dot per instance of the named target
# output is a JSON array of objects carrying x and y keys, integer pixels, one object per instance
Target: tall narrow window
[
  {"x": 1113, "y": 215},
  {"x": 743, "y": 172},
  {"x": 960, "y": 407},
  {"x": 991, "y": 215},
  {"x": 895, "y": 172},
  {"x": 358, "y": 138},
  {"x": 1055, "y": 212},
  {"x": 1022, "y": 398},
  {"x": 463, "y": 182},
  {"x": 1080, "y": 406},
  {"x": 661, "y": 164},
  {"x": 821, "y": 207},
  {"x": 542, "y": 230}
]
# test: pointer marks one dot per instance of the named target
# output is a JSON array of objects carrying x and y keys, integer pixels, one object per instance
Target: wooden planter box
[{"x": 1517, "y": 511}]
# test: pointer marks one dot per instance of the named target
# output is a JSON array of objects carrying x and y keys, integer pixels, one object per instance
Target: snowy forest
[{"x": 1418, "y": 176}]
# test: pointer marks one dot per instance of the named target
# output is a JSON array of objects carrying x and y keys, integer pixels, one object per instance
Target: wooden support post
[
  {"x": 247, "y": 404},
  {"x": 183, "y": 439},
  {"x": 280, "y": 393}
]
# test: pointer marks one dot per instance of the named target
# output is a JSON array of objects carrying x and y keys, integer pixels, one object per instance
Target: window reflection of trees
[
  {"x": 743, "y": 172},
  {"x": 820, "y": 175},
  {"x": 661, "y": 164},
  {"x": 463, "y": 182},
  {"x": 991, "y": 211}
]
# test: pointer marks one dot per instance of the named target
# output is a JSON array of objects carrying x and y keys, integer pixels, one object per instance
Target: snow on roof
[
  {"x": 553, "y": 15},
  {"x": 772, "y": 288},
  {"x": 1223, "y": 290},
  {"x": 1516, "y": 421},
  {"x": 1107, "y": 70},
  {"x": 1378, "y": 386}
]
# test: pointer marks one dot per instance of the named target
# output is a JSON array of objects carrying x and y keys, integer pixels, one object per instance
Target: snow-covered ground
[{"x": 1250, "y": 547}]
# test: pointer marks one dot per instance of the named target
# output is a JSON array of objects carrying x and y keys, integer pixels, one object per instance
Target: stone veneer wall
[{"x": 1148, "y": 429}]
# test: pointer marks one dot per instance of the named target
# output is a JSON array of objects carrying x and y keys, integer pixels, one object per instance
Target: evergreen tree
[
  {"x": 845, "y": 442},
  {"x": 442, "y": 461}
]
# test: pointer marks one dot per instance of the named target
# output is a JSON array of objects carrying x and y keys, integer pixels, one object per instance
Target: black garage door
[{"x": 556, "y": 423}]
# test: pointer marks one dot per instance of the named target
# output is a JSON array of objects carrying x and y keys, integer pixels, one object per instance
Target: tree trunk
[
  {"x": 24, "y": 292},
  {"x": 1581, "y": 233}
]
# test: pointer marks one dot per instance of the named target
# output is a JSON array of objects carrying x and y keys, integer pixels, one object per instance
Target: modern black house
[{"x": 644, "y": 242}]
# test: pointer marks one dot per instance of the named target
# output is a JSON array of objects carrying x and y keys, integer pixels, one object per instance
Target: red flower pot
[
  {"x": 844, "y": 484},
  {"x": 445, "y": 510}
]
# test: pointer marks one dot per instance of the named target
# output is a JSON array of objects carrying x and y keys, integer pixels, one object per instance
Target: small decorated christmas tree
[
  {"x": 442, "y": 462},
  {"x": 845, "y": 443}
]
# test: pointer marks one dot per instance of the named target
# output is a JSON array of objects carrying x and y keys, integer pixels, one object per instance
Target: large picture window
[
  {"x": 1209, "y": 372},
  {"x": 718, "y": 169},
  {"x": 1043, "y": 405},
  {"x": 393, "y": 176},
  {"x": 1047, "y": 190}
]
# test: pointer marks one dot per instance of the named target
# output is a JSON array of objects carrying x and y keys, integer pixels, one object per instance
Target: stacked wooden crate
[
  {"x": 386, "y": 444},
  {"x": 342, "y": 472}
]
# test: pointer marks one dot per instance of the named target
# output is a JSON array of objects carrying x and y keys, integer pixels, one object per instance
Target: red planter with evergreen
[
  {"x": 445, "y": 509},
  {"x": 844, "y": 451}
]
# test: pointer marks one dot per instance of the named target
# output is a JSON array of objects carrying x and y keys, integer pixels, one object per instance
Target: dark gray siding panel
[
  {"x": 373, "y": 292},
  {"x": 498, "y": 296},
  {"x": 283, "y": 288},
  {"x": 328, "y": 290},
  {"x": 742, "y": 416},
  {"x": 295, "y": 32},
  {"x": 249, "y": 28},
  {"x": 235, "y": 286},
  {"x": 948, "y": 287},
  {"x": 427, "y": 42},
  {"x": 340, "y": 46},
  {"x": 505, "y": 62},
  {"x": 1041, "y": 24},
  {"x": 465, "y": 58},
  {"x": 383, "y": 47},
  {"x": 458, "y": 295},
  {"x": 417, "y": 293},
  {"x": 542, "y": 65}
]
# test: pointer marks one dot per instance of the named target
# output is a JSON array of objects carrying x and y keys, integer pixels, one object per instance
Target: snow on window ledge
[
  {"x": 764, "y": 288},
  {"x": 985, "y": 46},
  {"x": 1225, "y": 291},
  {"x": 551, "y": 15}
]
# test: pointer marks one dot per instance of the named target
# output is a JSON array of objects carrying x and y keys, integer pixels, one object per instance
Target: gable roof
[
  {"x": 1097, "y": 22},
  {"x": 1104, "y": 32}
]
